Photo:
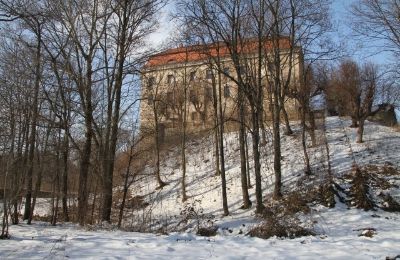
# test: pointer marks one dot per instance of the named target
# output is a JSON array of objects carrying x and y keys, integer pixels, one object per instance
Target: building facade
[{"x": 182, "y": 83}]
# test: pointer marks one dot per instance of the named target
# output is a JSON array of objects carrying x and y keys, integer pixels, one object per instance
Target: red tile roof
[{"x": 203, "y": 52}]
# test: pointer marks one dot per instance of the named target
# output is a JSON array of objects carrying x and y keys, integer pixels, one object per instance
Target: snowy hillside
[
  {"x": 380, "y": 148},
  {"x": 341, "y": 232}
]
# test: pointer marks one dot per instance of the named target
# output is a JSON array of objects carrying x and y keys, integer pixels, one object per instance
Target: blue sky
[
  {"x": 358, "y": 48},
  {"x": 341, "y": 18}
]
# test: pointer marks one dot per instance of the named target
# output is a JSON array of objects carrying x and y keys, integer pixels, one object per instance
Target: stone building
[{"x": 185, "y": 77}]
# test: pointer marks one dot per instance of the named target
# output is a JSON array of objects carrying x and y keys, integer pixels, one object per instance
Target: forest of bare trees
[{"x": 71, "y": 84}]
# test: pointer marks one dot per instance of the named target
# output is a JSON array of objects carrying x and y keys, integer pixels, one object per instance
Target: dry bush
[
  {"x": 192, "y": 216},
  {"x": 390, "y": 204},
  {"x": 359, "y": 191},
  {"x": 389, "y": 170},
  {"x": 286, "y": 227},
  {"x": 136, "y": 202},
  {"x": 326, "y": 195},
  {"x": 118, "y": 196},
  {"x": 367, "y": 232},
  {"x": 371, "y": 178},
  {"x": 279, "y": 217},
  {"x": 131, "y": 202},
  {"x": 207, "y": 231},
  {"x": 290, "y": 204},
  {"x": 323, "y": 192}
]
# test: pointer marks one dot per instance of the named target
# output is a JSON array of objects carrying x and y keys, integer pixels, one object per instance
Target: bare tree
[
  {"x": 357, "y": 88},
  {"x": 81, "y": 26},
  {"x": 368, "y": 89},
  {"x": 130, "y": 22},
  {"x": 156, "y": 106},
  {"x": 32, "y": 17},
  {"x": 378, "y": 21}
]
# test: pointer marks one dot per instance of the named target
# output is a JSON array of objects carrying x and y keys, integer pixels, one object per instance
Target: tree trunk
[
  {"x": 94, "y": 202},
  {"x": 246, "y": 143},
  {"x": 126, "y": 186},
  {"x": 157, "y": 147},
  {"x": 288, "y": 129},
  {"x": 304, "y": 142},
  {"x": 312, "y": 128},
  {"x": 360, "y": 130},
  {"x": 38, "y": 184},
  {"x": 84, "y": 165},
  {"x": 217, "y": 168},
  {"x": 56, "y": 191},
  {"x": 243, "y": 168},
  {"x": 122, "y": 46},
  {"x": 32, "y": 139},
  {"x": 183, "y": 147},
  {"x": 4, "y": 227},
  {"x": 256, "y": 156},
  {"x": 64, "y": 195},
  {"x": 277, "y": 148},
  {"x": 263, "y": 131},
  {"x": 221, "y": 148},
  {"x": 216, "y": 129}
]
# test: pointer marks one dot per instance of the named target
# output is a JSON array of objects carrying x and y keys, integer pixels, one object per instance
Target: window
[
  {"x": 150, "y": 99},
  {"x": 227, "y": 91},
  {"x": 170, "y": 97},
  {"x": 270, "y": 67},
  {"x": 170, "y": 79},
  {"x": 242, "y": 70},
  {"x": 192, "y": 76},
  {"x": 194, "y": 116},
  {"x": 208, "y": 94},
  {"x": 226, "y": 71},
  {"x": 151, "y": 82},
  {"x": 192, "y": 96},
  {"x": 163, "y": 108},
  {"x": 209, "y": 74}
]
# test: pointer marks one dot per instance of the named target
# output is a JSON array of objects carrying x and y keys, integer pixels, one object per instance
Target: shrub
[
  {"x": 390, "y": 204},
  {"x": 359, "y": 190},
  {"x": 207, "y": 231},
  {"x": 286, "y": 227}
]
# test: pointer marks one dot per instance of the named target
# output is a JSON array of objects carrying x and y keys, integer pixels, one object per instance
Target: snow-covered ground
[
  {"x": 337, "y": 229},
  {"x": 341, "y": 240}
]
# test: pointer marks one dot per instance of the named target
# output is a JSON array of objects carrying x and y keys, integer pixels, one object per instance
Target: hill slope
[
  {"x": 381, "y": 147},
  {"x": 342, "y": 232}
]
